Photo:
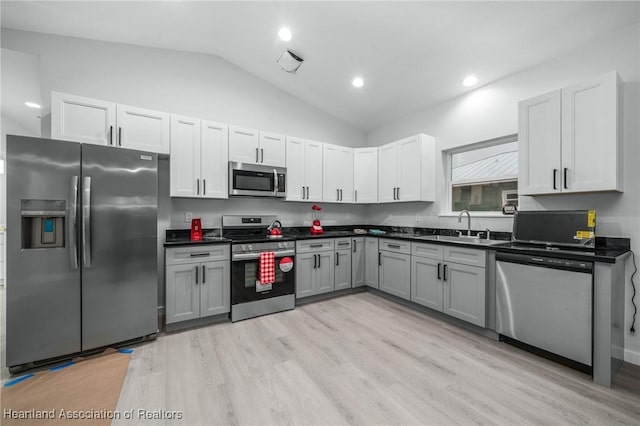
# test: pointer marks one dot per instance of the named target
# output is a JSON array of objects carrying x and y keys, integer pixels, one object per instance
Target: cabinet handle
[
  {"x": 196, "y": 275},
  {"x": 256, "y": 155},
  {"x": 354, "y": 246},
  {"x": 396, "y": 246},
  {"x": 261, "y": 155},
  {"x": 398, "y": 192},
  {"x": 555, "y": 172},
  {"x": 445, "y": 272},
  {"x": 565, "y": 178},
  {"x": 341, "y": 195},
  {"x": 119, "y": 136},
  {"x": 315, "y": 261},
  {"x": 302, "y": 193},
  {"x": 110, "y": 135},
  {"x": 315, "y": 245},
  {"x": 439, "y": 274},
  {"x": 379, "y": 259},
  {"x": 343, "y": 243},
  {"x": 355, "y": 196},
  {"x": 319, "y": 259},
  {"x": 337, "y": 195},
  {"x": 337, "y": 259},
  {"x": 199, "y": 254},
  {"x": 394, "y": 193},
  {"x": 307, "y": 192},
  {"x": 204, "y": 187},
  {"x": 198, "y": 186},
  {"x": 204, "y": 277}
]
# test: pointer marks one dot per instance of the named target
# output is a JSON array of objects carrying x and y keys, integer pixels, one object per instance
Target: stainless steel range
[{"x": 250, "y": 297}]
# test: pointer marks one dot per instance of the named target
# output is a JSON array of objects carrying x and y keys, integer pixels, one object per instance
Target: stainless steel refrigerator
[{"x": 81, "y": 247}]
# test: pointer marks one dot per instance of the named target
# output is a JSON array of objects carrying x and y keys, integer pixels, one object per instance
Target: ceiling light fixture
[
  {"x": 289, "y": 61},
  {"x": 469, "y": 81},
  {"x": 284, "y": 34},
  {"x": 32, "y": 105},
  {"x": 358, "y": 82}
]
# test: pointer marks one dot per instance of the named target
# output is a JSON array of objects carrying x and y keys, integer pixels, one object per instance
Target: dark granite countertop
[{"x": 182, "y": 237}]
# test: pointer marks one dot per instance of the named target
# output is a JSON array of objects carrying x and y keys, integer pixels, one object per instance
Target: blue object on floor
[
  {"x": 125, "y": 351},
  {"x": 60, "y": 367},
  {"x": 18, "y": 380}
]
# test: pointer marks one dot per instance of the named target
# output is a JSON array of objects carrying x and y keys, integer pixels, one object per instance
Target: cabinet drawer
[
  {"x": 343, "y": 243},
  {"x": 307, "y": 246},
  {"x": 397, "y": 246},
  {"x": 432, "y": 251},
  {"x": 466, "y": 256},
  {"x": 201, "y": 253}
]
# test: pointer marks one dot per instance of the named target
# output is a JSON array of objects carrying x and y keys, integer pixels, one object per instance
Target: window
[{"x": 484, "y": 177}]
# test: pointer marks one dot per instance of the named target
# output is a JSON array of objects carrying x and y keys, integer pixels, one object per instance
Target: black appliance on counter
[{"x": 250, "y": 237}]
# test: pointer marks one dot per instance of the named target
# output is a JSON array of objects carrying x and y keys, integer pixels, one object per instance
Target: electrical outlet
[{"x": 188, "y": 216}]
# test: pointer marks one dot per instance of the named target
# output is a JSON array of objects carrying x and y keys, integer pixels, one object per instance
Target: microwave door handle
[{"x": 275, "y": 182}]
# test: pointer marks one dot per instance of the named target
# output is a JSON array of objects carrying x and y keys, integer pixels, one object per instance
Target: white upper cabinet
[
  {"x": 365, "y": 175},
  {"x": 87, "y": 120},
  {"x": 406, "y": 170},
  {"x": 79, "y": 119},
  {"x": 142, "y": 129},
  {"x": 337, "y": 165},
  {"x": 198, "y": 163},
  {"x": 255, "y": 147},
  {"x": 569, "y": 139},
  {"x": 304, "y": 170}
]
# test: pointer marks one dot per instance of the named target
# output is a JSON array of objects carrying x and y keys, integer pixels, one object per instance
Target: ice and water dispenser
[{"x": 43, "y": 223}]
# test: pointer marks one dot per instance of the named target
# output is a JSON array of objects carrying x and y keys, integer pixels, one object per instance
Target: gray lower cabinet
[
  {"x": 358, "y": 262},
  {"x": 343, "y": 263},
  {"x": 395, "y": 273},
  {"x": 450, "y": 279},
  {"x": 315, "y": 270},
  {"x": 464, "y": 293},
  {"x": 197, "y": 288},
  {"x": 371, "y": 261}
]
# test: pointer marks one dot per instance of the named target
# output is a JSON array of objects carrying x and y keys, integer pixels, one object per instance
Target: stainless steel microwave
[{"x": 255, "y": 180}]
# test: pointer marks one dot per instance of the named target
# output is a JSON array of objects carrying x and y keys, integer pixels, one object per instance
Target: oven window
[
  {"x": 252, "y": 181},
  {"x": 250, "y": 274}
]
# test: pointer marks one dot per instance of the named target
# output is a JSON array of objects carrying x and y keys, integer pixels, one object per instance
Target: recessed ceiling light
[
  {"x": 284, "y": 34},
  {"x": 470, "y": 80},
  {"x": 32, "y": 105},
  {"x": 358, "y": 82}
]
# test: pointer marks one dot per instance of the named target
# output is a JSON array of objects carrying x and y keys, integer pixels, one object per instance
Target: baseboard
[{"x": 632, "y": 357}]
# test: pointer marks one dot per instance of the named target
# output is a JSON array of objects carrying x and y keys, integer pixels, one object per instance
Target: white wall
[{"x": 491, "y": 111}]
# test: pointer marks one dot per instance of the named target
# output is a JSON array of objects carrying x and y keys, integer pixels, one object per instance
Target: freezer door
[
  {"x": 43, "y": 279},
  {"x": 119, "y": 245}
]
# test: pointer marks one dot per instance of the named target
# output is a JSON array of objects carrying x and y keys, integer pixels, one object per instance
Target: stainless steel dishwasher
[{"x": 547, "y": 303}]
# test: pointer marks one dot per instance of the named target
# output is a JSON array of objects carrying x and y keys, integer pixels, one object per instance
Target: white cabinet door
[
  {"x": 395, "y": 274},
  {"x": 464, "y": 293},
  {"x": 343, "y": 269},
  {"x": 539, "y": 140},
  {"x": 143, "y": 129},
  {"x": 243, "y": 145},
  {"x": 345, "y": 174},
  {"x": 215, "y": 160},
  {"x": 358, "y": 262},
  {"x": 272, "y": 149},
  {"x": 296, "y": 190},
  {"x": 306, "y": 274},
  {"x": 426, "y": 282},
  {"x": 371, "y": 261},
  {"x": 387, "y": 172},
  {"x": 409, "y": 169},
  {"x": 215, "y": 285},
  {"x": 325, "y": 272},
  {"x": 330, "y": 173},
  {"x": 313, "y": 170},
  {"x": 184, "y": 163},
  {"x": 590, "y": 147},
  {"x": 79, "y": 119},
  {"x": 182, "y": 298},
  {"x": 365, "y": 175}
]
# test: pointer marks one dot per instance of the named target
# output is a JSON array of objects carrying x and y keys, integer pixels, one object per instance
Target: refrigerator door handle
[
  {"x": 73, "y": 218},
  {"x": 86, "y": 222}
]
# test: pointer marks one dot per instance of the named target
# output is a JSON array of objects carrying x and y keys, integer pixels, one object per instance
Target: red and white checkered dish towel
[{"x": 267, "y": 267}]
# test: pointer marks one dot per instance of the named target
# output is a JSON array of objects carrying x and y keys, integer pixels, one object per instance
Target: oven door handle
[{"x": 251, "y": 256}]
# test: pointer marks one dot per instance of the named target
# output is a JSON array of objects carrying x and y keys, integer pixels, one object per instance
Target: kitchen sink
[{"x": 462, "y": 239}]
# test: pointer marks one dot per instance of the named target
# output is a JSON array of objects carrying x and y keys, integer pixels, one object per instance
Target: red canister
[{"x": 196, "y": 229}]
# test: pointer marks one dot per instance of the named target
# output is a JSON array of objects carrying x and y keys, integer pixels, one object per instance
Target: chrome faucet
[{"x": 468, "y": 221}]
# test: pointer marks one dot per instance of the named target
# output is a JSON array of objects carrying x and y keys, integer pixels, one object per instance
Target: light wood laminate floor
[{"x": 360, "y": 359}]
